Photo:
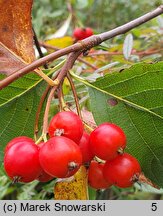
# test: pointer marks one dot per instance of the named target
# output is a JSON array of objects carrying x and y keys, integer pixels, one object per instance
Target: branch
[
  {"x": 62, "y": 104},
  {"x": 48, "y": 46},
  {"x": 66, "y": 67},
  {"x": 46, "y": 113},
  {"x": 38, "y": 47},
  {"x": 43, "y": 97},
  {"x": 74, "y": 94},
  {"x": 139, "y": 53},
  {"x": 87, "y": 63},
  {"x": 36, "y": 129},
  {"x": 83, "y": 45},
  {"x": 132, "y": 24}
]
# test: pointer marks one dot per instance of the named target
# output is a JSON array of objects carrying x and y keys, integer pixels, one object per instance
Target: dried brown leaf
[
  {"x": 9, "y": 62},
  {"x": 16, "y": 37},
  {"x": 88, "y": 119},
  {"x": 144, "y": 179}
]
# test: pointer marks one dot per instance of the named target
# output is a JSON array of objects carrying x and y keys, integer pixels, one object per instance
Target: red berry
[
  {"x": 21, "y": 161},
  {"x": 82, "y": 33},
  {"x": 85, "y": 148},
  {"x": 60, "y": 157},
  {"x": 66, "y": 124},
  {"x": 43, "y": 177},
  {"x": 95, "y": 176},
  {"x": 107, "y": 140},
  {"x": 77, "y": 33},
  {"x": 89, "y": 32},
  {"x": 17, "y": 140},
  {"x": 40, "y": 145},
  {"x": 122, "y": 171}
]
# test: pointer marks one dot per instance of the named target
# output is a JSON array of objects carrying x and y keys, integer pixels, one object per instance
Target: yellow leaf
[
  {"x": 60, "y": 42},
  {"x": 73, "y": 188}
]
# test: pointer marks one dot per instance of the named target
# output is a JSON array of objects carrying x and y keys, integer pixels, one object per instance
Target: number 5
[{"x": 154, "y": 207}]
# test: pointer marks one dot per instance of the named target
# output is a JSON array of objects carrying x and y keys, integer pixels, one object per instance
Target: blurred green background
[{"x": 101, "y": 15}]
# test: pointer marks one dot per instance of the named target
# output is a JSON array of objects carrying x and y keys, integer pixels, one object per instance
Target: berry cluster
[
  {"x": 108, "y": 142},
  {"x": 68, "y": 147},
  {"x": 82, "y": 33},
  {"x": 59, "y": 157}
]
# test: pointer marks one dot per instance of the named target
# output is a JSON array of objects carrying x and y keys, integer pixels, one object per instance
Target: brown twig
[
  {"x": 46, "y": 113},
  {"x": 74, "y": 94},
  {"x": 71, "y": 11},
  {"x": 38, "y": 47},
  {"x": 83, "y": 45},
  {"x": 87, "y": 63},
  {"x": 66, "y": 67},
  {"x": 96, "y": 53},
  {"x": 62, "y": 103},
  {"x": 36, "y": 129},
  {"x": 48, "y": 46},
  {"x": 60, "y": 97},
  {"x": 140, "y": 53}
]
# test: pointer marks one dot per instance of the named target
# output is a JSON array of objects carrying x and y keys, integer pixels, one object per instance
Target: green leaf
[
  {"x": 23, "y": 85},
  {"x": 92, "y": 193},
  {"x": 18, "y": 107},
  {"x": 18, "y": 88},
  {"x": 133, "y": 99},
  {"x": 18, "y": 115}
]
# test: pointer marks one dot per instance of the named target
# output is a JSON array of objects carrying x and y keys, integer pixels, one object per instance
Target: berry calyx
[
  {"x": 122, "y": 171},
  {"x": 60, "y": 157},
  {"x": 95, "y": 176},
  {"x": 66, "y": 124},
  {"x": 82, "y": 33},
  {"x": 85, "y": 148},
  {"x": 21, "y": 161},
  {"x": 107, "y": 141}
]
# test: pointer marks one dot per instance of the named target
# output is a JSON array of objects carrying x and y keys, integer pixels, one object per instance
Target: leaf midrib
[
  {"x": 117, "y": 97},
  {"x": 22, "y": 93}
]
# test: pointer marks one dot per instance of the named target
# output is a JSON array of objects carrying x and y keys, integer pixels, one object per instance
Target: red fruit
[
  {"x": 43, "y": 177},
  {"x": 40, "y": 145},
  {"x": 85, "y": 148},
  {"x": 21, "y": 161},
  {"x": 95, "y": 176},
  {"x": 107, "y": 140},
  {"x": 16, "y": 140},
  {"x": 66, "y": 124},
  {"x": 82, "y": 33},
  {"x": 60, "y": 157},
  {"x": 122, "y": 171},
  {"x": 89, "y": 32}
]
